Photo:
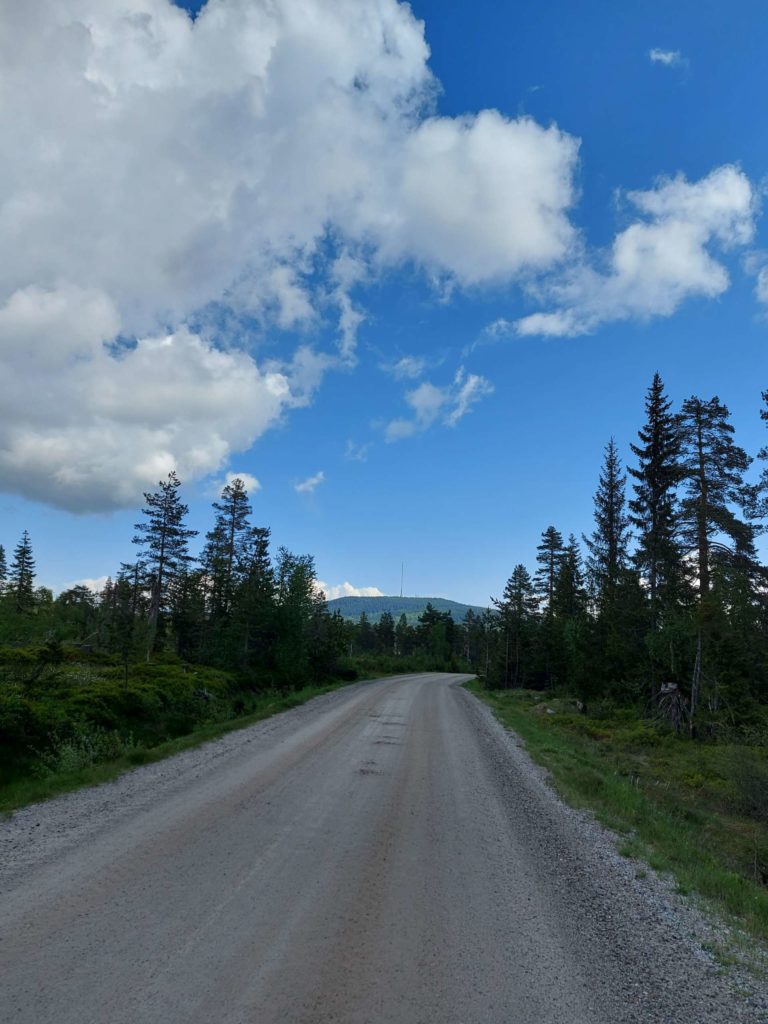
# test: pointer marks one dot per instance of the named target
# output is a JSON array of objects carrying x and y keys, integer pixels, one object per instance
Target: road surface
[{"x": 385, "y": 854}]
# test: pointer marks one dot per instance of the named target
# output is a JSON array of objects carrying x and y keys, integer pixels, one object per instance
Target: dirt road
[{"x": 385, "y": 854}]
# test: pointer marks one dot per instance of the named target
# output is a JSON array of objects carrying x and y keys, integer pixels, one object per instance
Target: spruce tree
[
  {"x": 517, "y": 610},
  {"x": 550, "y": 553},
  {"x": 608, "y": 543},
  {"x": 571, "y": 623},
  {"x": 252, "y": 621},
  {"x": 165, "y": 539},
  {"x": 403, "y": 636},
  {"x": 295, "y": 593},
  {"x": 654, "y": 506},
  {"x": 366, "y": 635},
  {"x": 569, "y": 598},
  {"x": 22, "y": 575},
  {"x": 385, "y": 631}
]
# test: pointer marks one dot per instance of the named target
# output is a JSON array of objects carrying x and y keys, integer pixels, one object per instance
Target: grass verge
[
  {"x": 677, "y": 805},
  {"x": 30, "y": 789}
]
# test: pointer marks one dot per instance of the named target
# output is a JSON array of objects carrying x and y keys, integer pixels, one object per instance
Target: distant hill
[{"x": 411, "y": 607}]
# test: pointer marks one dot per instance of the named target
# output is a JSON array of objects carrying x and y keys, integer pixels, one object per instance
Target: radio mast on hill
[{"x": 402, "y": 571}]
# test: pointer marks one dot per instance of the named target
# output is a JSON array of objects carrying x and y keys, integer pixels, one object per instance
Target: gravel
[{"x": 386, "y": 853}]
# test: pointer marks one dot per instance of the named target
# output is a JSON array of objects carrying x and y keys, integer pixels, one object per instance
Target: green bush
[{"x": 84, "y": 746}]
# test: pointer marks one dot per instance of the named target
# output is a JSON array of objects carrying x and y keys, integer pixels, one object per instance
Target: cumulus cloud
[
  {"x": 510, "y": 219},
  {"x": 252, "y": 485},
  {"x": 669, "y": 58},
  {"x": 431, "y": 404},
  {"x": 257, "y": 163},
  {"x": 346, "y": 590},
  {"x": 87, "y": 425},
  {"x": 309, "y": 485},
  {"x": 660, "y": 260}
]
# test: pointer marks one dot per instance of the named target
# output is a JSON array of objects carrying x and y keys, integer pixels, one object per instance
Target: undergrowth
[{"x": 698, "y": 810}]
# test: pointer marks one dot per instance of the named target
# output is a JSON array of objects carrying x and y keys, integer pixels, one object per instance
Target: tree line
[
  {"x": 664, "y": 603},
  {"x": 236, "y": 606}
]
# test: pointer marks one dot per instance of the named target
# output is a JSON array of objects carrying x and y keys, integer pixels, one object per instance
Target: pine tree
[
  {"x": 653, "y": 509},
  {"x": 224, "y": 555},
  {"x": 713, "y": 469},
  {"x": 713, "y": 473},
  {"x": 608, "y": 543},
  {"x": 760, "y": 491},
  {"x": 165, "y": 539},
  {"x": 22, "y": 575}
]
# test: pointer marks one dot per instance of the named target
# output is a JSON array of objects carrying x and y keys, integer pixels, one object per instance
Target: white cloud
[
  {"x": 761, "y": 287},
  {"x": 308, "y": 486},
  {"x": 659, "y": 261},
  {"x": 499, "y": 328},
  {"x": 100, "y": 425},
  {"x": 158, "y": 172},
  {"x": 669, "y": 58},
  {"x": 431, "y": 403},
  {"x": 490, "y": 334},
  {"x": 481, "y": 198},
  {"x": 252, "y": 485},
  {"x": 406, "y": 368},
  {"x": 357, "y": 452},
  {"x": 468, "y": 389},
  {"x": 347, "y": 590},
  {"x": 94, "y": 585}
]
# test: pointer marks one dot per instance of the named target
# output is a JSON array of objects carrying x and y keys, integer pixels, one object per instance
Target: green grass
[
  {"x": 682, "y": 807},
  {"x": 28, "y": 789}
]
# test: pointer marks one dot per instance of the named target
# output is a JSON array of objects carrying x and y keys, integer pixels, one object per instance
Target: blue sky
[{"x": 594, "y": 145}]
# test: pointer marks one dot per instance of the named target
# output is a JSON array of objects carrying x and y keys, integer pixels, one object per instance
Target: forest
[
  {"x": 665, "y": 605},
  {"x": 660, "y": 608},
  {"x": 174, "y": 643}
]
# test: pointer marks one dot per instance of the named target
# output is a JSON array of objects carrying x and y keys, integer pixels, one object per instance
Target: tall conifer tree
[
  {"x": 517, "y": 610},
  {"x": 165, "y": 539},
  {"x": 550, "y": 554},
  {"x": 713, "y": 472},
  {"x": 570, "y": 593},
  {"x": 22, "y": 575},
  {"x": 225, "y": 553},
  {"x": 654, "y": 506},
  {"x": 608, "y": 543}
]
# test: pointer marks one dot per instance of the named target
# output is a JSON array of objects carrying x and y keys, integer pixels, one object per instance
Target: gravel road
[{"x": 386, "y": 854}]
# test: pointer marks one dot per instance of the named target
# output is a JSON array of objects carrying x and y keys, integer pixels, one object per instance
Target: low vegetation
[
  {"x": 177, "y": 648},
  {"x": 698, "y": 810}
]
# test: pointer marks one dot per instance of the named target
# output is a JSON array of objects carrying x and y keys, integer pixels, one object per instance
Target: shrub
[{"x": 83, "y": 747}]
